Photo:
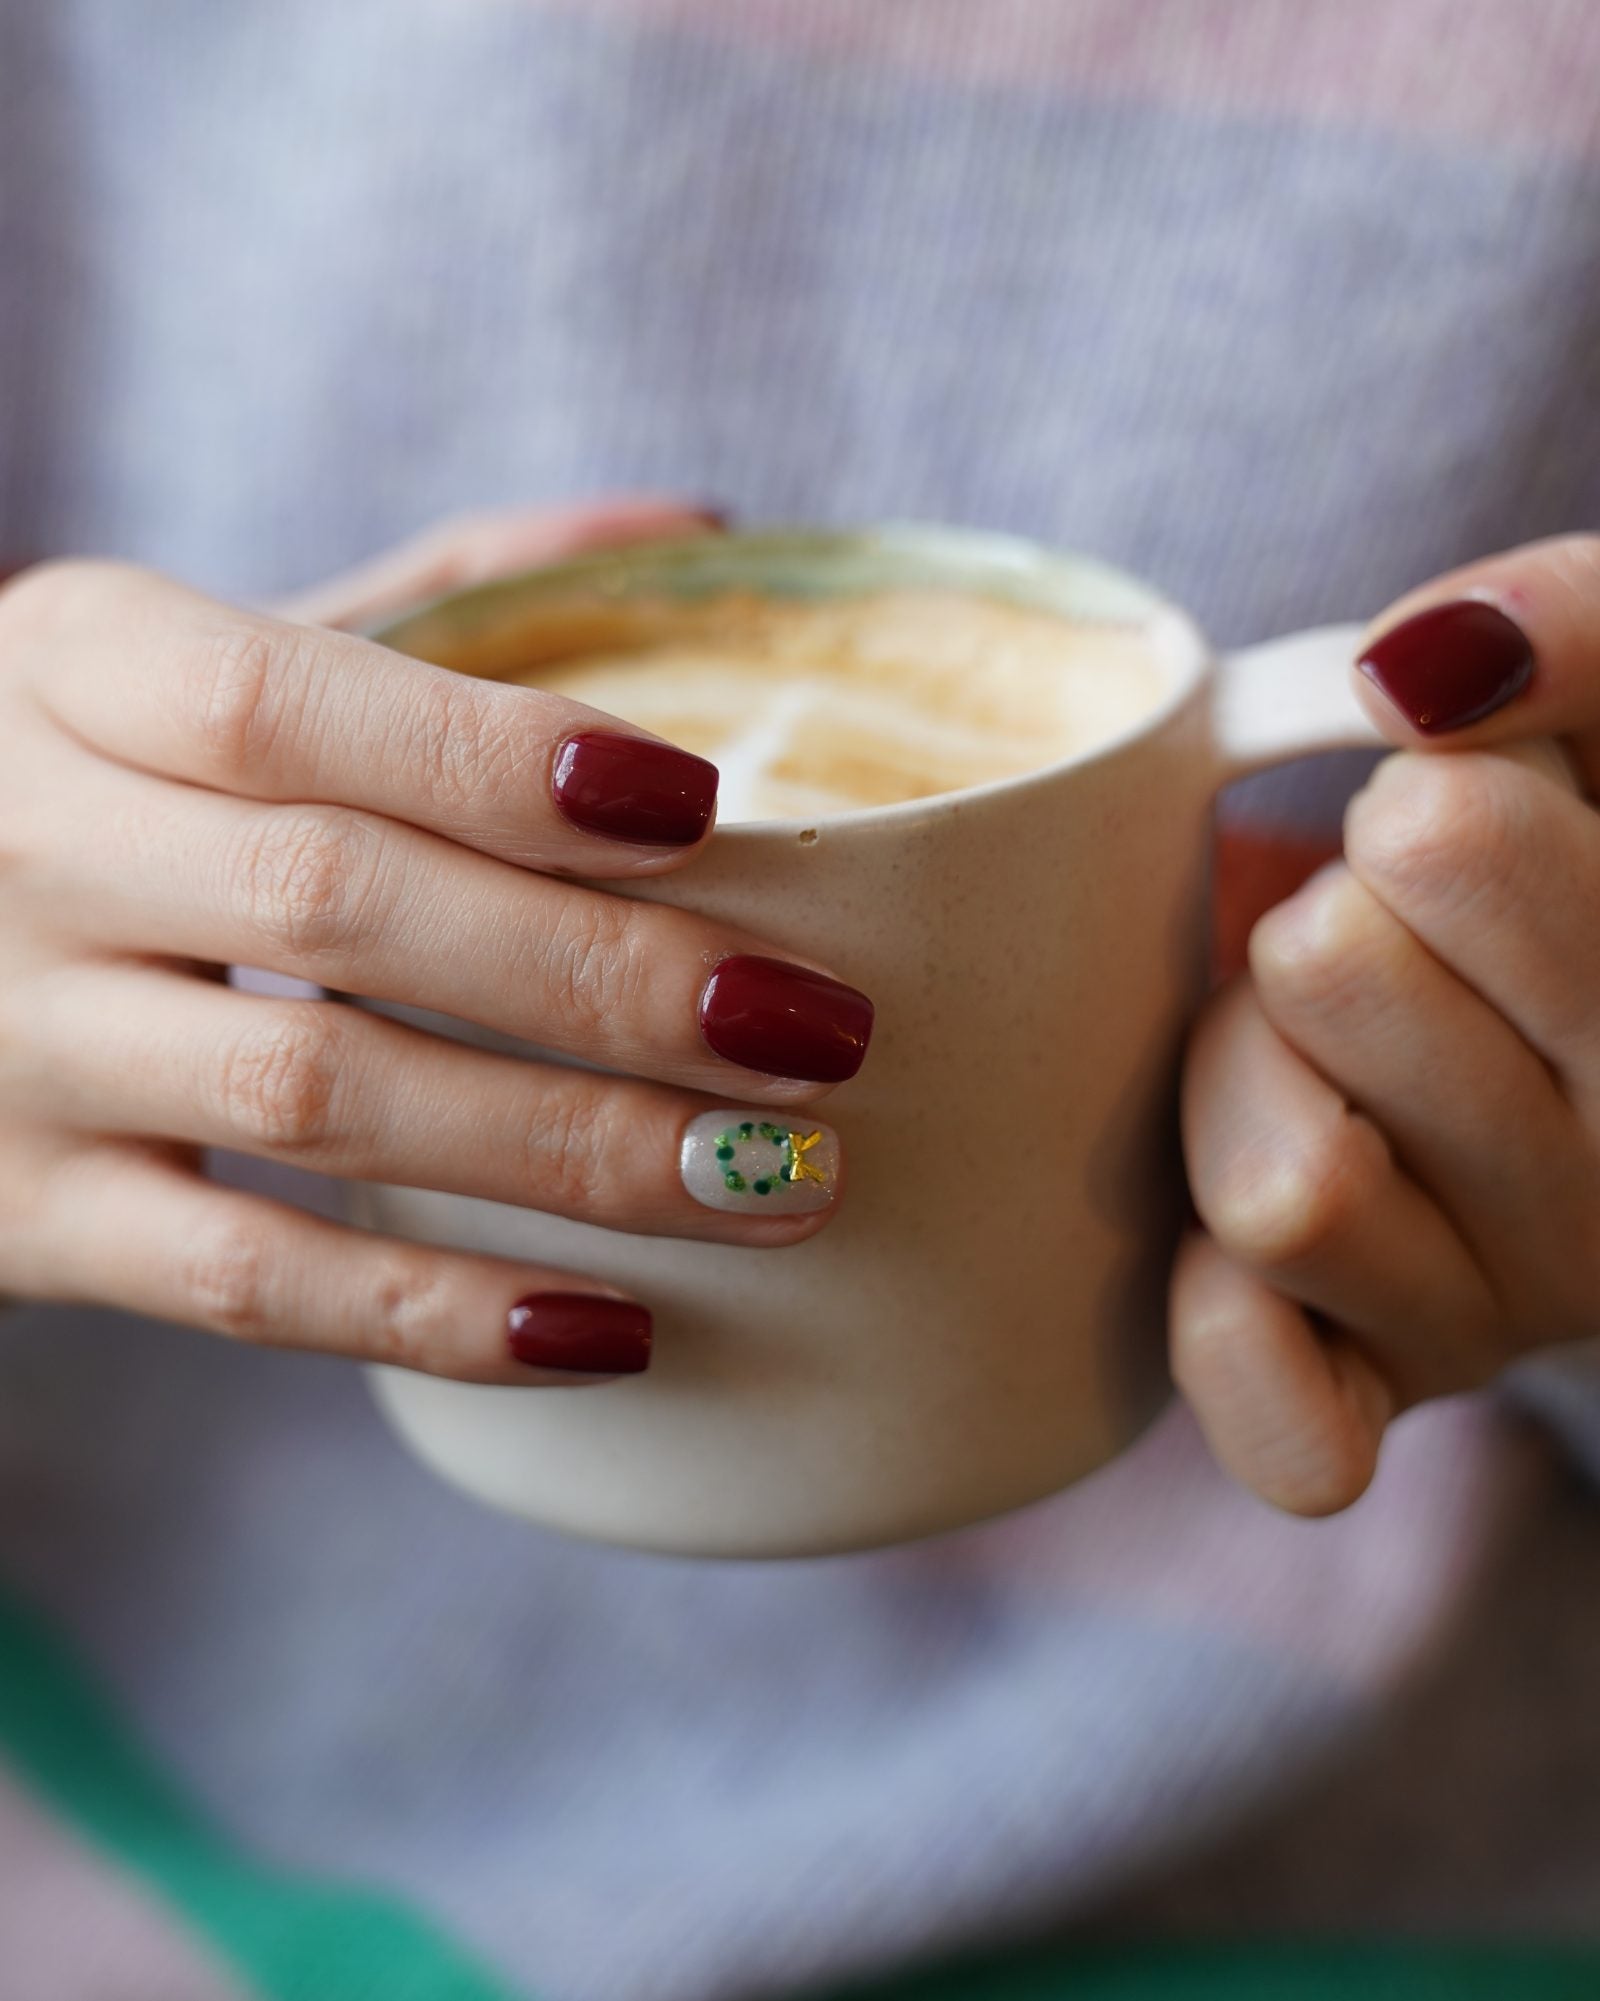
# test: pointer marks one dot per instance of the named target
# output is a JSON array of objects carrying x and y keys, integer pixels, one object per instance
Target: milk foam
[{"x": 816, "y": 708}]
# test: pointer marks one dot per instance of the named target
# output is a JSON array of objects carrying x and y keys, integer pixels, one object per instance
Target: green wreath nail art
[{"x": 741, "y": 1164}]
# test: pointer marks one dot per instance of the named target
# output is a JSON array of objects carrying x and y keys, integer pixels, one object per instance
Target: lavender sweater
[{"x": 1284, "y": 306}]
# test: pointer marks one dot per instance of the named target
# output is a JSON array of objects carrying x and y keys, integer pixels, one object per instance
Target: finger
[
  {"x": 152, "y": 675},
  {"x": 1302, "y": 1190},
  {"x": 1499, "y": 650},
  {"x": 476, "y": 548},
  {"x": 1469, "y": 1110},
  {"x": 139, "y": 1052},
  {"x": 1294, "y": 1414},
  {"x": 363, "y": 906},
  {"x": 125, "y": 1227},
  {"x": 1494, "y": 865}
]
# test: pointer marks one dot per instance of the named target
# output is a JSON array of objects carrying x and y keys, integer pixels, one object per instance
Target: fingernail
[
  {"x": 630, "y": 788},
  {"x": 785, "y": 1020},
  {"x": 585, "y": 1332},
  {"x": 1451, "y": 665},
  {"x": 743, "y": 1163}
]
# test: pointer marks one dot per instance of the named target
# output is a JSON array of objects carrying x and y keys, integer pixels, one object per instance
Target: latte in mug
[{"x": 811, "y": 709}]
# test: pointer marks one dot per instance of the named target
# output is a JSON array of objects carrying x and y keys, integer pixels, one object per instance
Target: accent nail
[
  {"x": 585, "y": 1332},
  {"x": 1451, "y": 665},
  {"x": 748, "y": 1162},
  {"x": 785, "y": 1020},
  {"x": 631, "y": 788}
]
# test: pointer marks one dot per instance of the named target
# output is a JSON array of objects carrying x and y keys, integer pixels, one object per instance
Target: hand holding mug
[
  {"x": 1392, "y": 1118},
  {"x": 184, "y": 786}
]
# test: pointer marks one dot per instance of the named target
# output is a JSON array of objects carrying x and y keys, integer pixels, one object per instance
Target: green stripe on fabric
[
  {"x": 1258, "y": 1972},
  {"x": 289, "y": 1937},
  {"x": 295, "y": 1938}
]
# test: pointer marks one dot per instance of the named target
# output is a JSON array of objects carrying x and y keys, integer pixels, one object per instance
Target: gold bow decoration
[{"x": 799, "y": 1168}]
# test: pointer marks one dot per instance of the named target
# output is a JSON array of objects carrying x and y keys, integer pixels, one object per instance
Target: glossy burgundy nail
[
  {"x": 785, "y": 1020},
  {"x": 630, "y": 788},
  {"x": 582, "y": 1331},
  {"x": 1451, "y": 665}
]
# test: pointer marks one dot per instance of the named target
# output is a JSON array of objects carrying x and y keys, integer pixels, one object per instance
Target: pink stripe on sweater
[
  {"x": 1500, "y": 72},
  {"x": 1161, "y": 1536},
  {"x": 73, "y": 1927}
]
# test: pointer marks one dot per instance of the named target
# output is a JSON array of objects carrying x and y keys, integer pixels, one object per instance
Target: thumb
[{"x": 1494, "y": 654}]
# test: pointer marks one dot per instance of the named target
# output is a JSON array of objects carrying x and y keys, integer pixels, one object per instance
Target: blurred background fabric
[{"x": 1284, "y": 307}]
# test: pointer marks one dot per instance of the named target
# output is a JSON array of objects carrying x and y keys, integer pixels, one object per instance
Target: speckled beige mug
[{"x": 984, "y": 1321}]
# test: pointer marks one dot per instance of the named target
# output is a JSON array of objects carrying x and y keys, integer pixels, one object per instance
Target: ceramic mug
[{"x": 983, "y": 1322}]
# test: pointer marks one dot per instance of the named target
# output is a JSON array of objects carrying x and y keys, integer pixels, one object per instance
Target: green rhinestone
[
  {"x": 763, "y": 1187},
  {"x": 733, "y": 1181},
  {"x": 724, "y": 1153},
  {"x": 746, "y": 1130},
  {"x": 784, "y": 1174},
  {"x": 772, "y": 1133}
]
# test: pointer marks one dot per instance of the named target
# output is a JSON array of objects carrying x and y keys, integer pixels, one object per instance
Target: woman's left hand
[{"x": 1392, "y": 1117}]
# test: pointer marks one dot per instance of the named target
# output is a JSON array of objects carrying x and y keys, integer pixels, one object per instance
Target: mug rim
[{"x": 1176, "y": 639}]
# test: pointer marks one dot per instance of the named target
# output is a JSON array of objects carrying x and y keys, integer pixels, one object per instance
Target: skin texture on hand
[
  {"x": 186, "y": 785},
  {"x": 1391, "y": 1107}
]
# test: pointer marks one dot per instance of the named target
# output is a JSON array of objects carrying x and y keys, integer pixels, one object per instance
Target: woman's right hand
[{"x": 185, "y": 786}]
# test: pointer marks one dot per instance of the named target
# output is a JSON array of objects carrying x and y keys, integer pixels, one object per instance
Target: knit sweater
[{"x": 1284, "y": 306}]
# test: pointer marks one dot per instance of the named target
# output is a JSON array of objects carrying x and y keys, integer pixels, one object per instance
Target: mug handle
[{"x": 1289, "y": 698}]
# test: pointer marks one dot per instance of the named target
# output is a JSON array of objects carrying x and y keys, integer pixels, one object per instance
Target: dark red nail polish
[
  {"x": 1451, "y": 665},
  {"x": 582, "y": 1331},
  {"x": 714, "y": 514},
  {"x": 630, "y": 788},
  {"x": 781, "y": 1018}
]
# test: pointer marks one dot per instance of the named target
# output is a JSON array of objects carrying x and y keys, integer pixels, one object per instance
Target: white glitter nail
[{"x": 760, "y": 1163}]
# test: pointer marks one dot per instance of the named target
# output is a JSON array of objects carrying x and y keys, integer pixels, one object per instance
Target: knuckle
[
  {"x": 223, "y": 1276},
  {"x": 413, "y": 1323},
  {"x": 279, "y": 1081},
  {"x": 309, "y": 880},
  {"x": 1314, "y": 952},
  {"x": 1428, "y": 829},
  {"x": 229, "y": 697},
  {"x": 463, "y": 753},
  {"x": 1278, "y": 1208},
  {"x": 566, "y": 1151},
  {"x": 596, "y": 970}
]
